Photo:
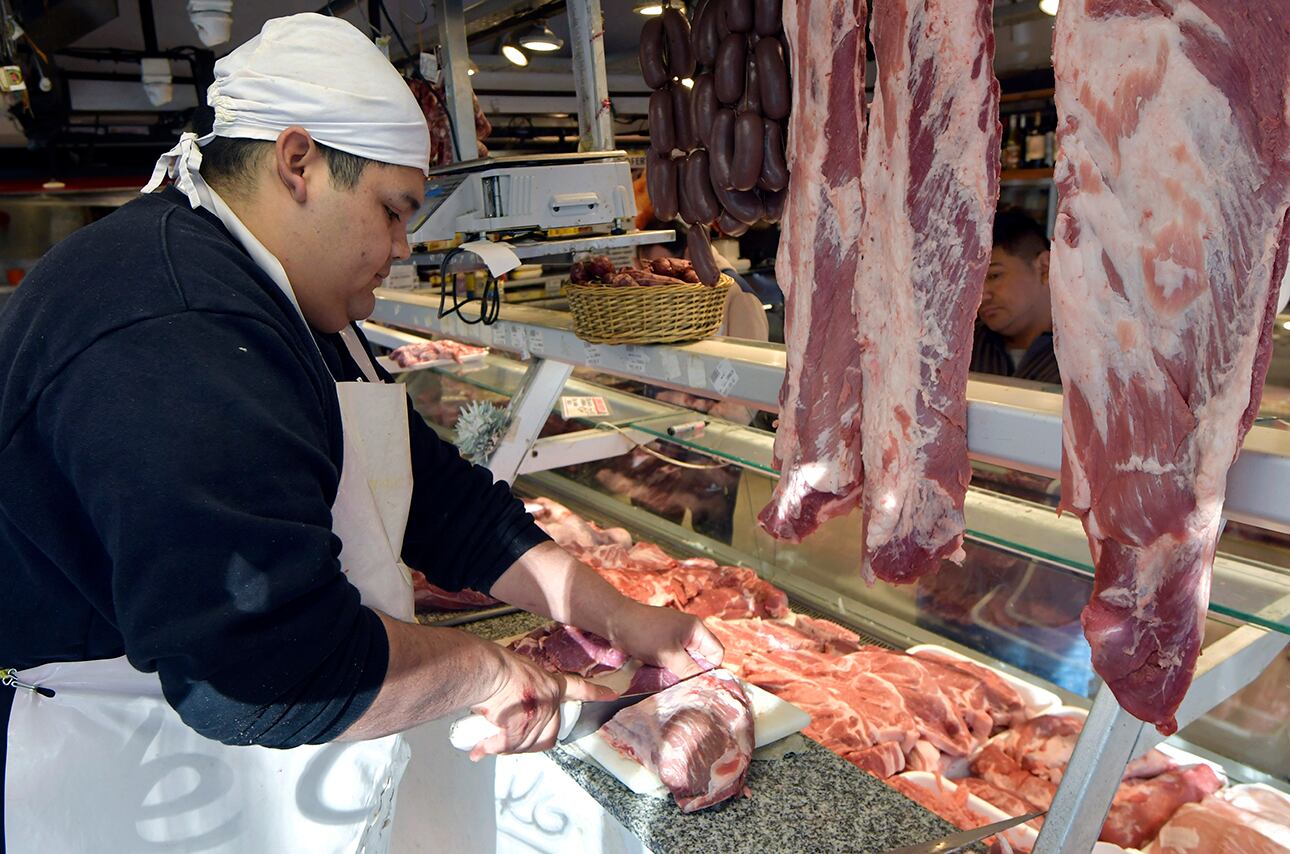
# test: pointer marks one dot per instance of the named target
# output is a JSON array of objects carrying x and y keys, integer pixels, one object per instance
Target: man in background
[{"x": 1014, "y": 330}]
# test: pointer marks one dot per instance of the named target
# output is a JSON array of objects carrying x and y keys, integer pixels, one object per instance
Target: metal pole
[
  {"x": 454, "y": 55},
  {"x": 149, "y": 24},
  {"x": 530, "y": 407},
  {"x": 595, "y": 120}
]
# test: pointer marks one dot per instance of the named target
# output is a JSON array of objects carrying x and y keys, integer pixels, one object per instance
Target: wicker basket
[{"x": 648, "y": 314}]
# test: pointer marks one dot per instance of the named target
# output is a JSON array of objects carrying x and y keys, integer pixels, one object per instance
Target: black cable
[
  {"x": 490, "y": 300},
  {"x": 397, "y": 35}
]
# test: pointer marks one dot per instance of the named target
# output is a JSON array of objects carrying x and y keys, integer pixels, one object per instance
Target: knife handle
[{"x": 469, "y": 731}]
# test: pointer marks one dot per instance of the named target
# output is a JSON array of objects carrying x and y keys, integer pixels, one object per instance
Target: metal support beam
[
  {"x": 585, "y": 446},
  {"x": 529, "y": 410},
  {"x": 595, "y": 118},
  {"x": 149, "y": 24},
  {"x": 454, "y": 57},
  {"x": 1111, "y": 738}
]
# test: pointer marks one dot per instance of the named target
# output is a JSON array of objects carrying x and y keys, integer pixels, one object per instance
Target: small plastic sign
[{"x": 583, "y": 407}]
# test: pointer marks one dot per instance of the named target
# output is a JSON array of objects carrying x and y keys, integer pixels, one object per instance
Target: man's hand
[
  {"x": 665, "y": 637},
  {"x": 525, "y": 705}
]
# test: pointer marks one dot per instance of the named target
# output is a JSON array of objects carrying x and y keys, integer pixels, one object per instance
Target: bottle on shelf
[
  {"x": 1050, "y": 143},
  {"x": 1033, "y": 147},
  {"x": 1012, "y": 144}
]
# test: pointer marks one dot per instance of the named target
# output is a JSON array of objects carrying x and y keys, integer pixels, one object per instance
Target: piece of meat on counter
[
  {"x": 430, "y": 597},
  {"x": 568, "y": 649},
  {"x": 931, "y": 183},
  {"x": 1171, "y": 241},
  {"x": 817, "y": 446},
  {"x": 1247, "y": 819},
  {"x": 1001, "y": 699},
  {"x": 697, "y": 736}
]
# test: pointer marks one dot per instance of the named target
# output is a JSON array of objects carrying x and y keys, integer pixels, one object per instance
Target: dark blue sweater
[{"x": 170, "y": 446}]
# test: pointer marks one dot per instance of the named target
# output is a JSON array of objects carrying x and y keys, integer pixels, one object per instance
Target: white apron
[{"x": 107, "y": 766}]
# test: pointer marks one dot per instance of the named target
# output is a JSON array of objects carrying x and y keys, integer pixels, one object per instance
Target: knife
[
  {"x": 577, "y": 718},
  {"x": 955, "y": 841}
]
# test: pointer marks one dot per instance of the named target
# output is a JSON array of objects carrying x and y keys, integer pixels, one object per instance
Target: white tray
[
  {"x": 1021, "y": 837},
  {"x": 395, "y": 368}
]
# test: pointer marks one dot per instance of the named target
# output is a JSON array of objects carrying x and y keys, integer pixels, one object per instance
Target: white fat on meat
[
  {"x": 1170, "y": 248},
  {"x": 931, "y": 181}
]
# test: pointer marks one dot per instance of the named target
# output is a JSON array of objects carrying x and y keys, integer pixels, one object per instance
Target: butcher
[
  {"x": 212, "y": 496},
  {"x": 1014, "y": 330}
]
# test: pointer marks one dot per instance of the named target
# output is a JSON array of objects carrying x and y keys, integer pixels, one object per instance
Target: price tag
[
  {"x": 671, "y": 365},
  {"x": 583, "y": 407},
  {"x": 517, "y": 338},
  {"x": 637, "y": 359},
  {"x": 593, "y": 353},
  {"x": 724, "y": 377},
  {"x": 694, "y": 374},
  {"x": 537, "y": 343}
]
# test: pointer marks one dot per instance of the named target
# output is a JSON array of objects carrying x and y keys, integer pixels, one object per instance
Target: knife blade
[
  {"x": 577, "y": 719},
  {"x": 962, "y": 838}
]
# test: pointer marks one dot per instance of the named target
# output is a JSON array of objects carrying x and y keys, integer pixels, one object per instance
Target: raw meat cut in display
[
  {"x": 568, "y": 649},
  {"x": 697, "y": 736},
  {"x": 1171, "y": 240},
  {"x": 817, "y": 447},
  {"x": 1141, "y": 807},
  {"x": 1249, "y": 819},
  {"x": 1003, "y": 703},
  {"x": 1006, "y": 801},
  {"x": 949, "y": 802},
  {"x": 931, "y": 182},
  {"x": 430, "y": 597},
  {"x": 569, "y": 530},
  {"x": 433, "y": 351}
]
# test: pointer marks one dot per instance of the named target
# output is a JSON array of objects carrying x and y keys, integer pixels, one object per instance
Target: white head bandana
[{"x": 314, "y": 71}]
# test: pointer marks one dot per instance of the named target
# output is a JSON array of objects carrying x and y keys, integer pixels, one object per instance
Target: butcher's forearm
[
  {"x": 548, "y": 580},
  {"x": 431, "y": 673}
]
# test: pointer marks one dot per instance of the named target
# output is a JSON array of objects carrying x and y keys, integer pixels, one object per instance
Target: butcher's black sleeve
[
  {"x": 201, "y": 455},
  {"x": 463, "y": 529}
]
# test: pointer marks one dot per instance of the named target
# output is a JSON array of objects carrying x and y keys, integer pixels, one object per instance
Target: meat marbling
[
  {"x": 817, "y": 448},
  {"x": 697, "y": 736},
  {"x": 931, "y": 182},
  {"x": 1172, "y": 234}
]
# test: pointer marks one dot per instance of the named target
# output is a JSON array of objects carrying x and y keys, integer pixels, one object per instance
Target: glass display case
[{"x": 682, "y": 458}]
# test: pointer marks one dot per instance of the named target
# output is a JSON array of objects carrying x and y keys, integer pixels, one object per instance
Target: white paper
[
  {"x": 637, "y": 359},
  {"x": 671, "y": 365},
  {"x": 724, "y": 377},
  {"x": 695, "y": 375},
  {"x": 593, "y": 353},
  {"x": 499, "y": 258},
  {"x": 537, "y": 344}
]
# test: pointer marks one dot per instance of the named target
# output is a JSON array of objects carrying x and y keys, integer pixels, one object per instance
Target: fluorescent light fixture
[
  {"x": 650, "y": 10},
  {"x": 515, "y": 55},
  {"x": 53, "y": 184},
  {"x": 1048, "y": 7},
  {"x": 538, "y": 36}
]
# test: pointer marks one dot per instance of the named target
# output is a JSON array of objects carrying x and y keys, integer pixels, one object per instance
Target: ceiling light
[
  {"x": 515, "y": 55},
  {"x": 53, "y": 184},
  {"x": 650, "y": 9},
  {"x": 688, "y": 82},
  {"x": 538, "y": 36},
  {"x": 1048, "y": 7},
  {"x": 472, "y": 69}
]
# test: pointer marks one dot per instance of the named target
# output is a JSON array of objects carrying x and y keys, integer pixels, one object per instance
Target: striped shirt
[{"x": 990, "y": 356}]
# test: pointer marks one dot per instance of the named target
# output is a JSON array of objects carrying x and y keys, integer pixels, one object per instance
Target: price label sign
[
  {"x": 583, "y": 407},
  {"x": 724, "y": 377}
]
